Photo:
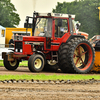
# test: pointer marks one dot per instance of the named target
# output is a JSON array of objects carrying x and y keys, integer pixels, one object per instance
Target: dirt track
[
  {"x": 32, "y": 91},
  {"x": 22, "y": 70},
  {"x": 25, "y": 70},
  {"x": 49, "y": 92}
]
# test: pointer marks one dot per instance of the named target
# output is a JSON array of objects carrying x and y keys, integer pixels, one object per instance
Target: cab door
[
  {"x": 60, "y": 32},
  {"x": 47, "y": 43}
]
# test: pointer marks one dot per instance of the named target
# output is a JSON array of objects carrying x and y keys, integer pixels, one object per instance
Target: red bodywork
[{"x": 55, "y": 42}]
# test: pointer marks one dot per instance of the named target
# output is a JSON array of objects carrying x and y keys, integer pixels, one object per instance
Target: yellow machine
[
  {"x": 95, "y": 41},
  {"x": 96, "y": 65},
  {"x": 11, "y": 31}
]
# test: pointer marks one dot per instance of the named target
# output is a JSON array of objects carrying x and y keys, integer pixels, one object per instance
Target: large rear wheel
[{"x": 79, "y": 57}]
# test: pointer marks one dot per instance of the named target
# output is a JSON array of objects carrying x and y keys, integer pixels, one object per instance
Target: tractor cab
[
  {"x": 42, "y": 23},
  {"x": 54, "y": 28}
]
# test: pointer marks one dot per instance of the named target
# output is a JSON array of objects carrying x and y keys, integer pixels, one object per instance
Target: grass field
[
  {"x": 47, "y": 77},
  {"x": 23, "y": 63},
  {"x": 1, "y": 63}
]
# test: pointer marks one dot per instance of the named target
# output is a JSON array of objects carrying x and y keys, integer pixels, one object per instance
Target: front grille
[{"x": 18, "y": 45}]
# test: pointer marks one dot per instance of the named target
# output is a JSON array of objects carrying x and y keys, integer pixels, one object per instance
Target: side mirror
[
  {"x": 27, "y": 25},
  {"x": 26, "y": 22},
  {"x": 59, "y": 22}
]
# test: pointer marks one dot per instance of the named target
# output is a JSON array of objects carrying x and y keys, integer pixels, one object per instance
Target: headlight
[
  {"x": 21, "y": 50},
  {"x": 16, "y": 50}
]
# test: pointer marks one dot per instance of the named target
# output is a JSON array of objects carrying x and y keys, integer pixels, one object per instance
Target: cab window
[{"x": 61, "y": 27}]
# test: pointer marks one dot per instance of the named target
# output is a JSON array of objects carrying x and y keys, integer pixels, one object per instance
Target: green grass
[
  {"x": 47, "y": 77},
  {"x": 50, "y": 77},
  {"x": 23, "y": 63},
  {"x": 1, "y": 63}
]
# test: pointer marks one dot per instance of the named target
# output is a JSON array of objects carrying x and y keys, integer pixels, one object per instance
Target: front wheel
[
  {"x": 10, "y": 65},
  {"x": 36, "y": 63}
]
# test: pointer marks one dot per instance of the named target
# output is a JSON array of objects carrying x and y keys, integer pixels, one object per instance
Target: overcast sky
[
  {"x": 47, "y": 5},
  {"x": 27, "y": 7}
]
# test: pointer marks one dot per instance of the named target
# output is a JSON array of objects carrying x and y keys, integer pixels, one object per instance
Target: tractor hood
[
  {"x": 33, "y": 38},
  {"x": 29, "y": 38}
]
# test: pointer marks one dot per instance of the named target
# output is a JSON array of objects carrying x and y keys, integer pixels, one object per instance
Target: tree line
[
  {"x": 8, "y": 15},
  {"x": 86, "y": 12}
]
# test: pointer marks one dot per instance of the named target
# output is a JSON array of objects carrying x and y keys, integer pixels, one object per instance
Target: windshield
[{"x": 43, "y": 27}]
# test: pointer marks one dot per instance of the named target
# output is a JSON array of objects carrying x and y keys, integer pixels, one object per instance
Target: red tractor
[{"x": 53, "y": 42}]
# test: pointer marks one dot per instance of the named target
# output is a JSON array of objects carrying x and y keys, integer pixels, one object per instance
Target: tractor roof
[{"x": 55, "y": 15}]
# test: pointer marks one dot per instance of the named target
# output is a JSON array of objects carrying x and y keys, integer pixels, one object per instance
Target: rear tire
[
  {"x": 62, "y": 58},
  {"x": 36, "y": 63},
  {"x": 78, "y": 58},
  {"x": 10, "y": 65}
]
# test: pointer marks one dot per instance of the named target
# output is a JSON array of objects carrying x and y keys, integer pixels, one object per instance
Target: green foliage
[
  {"x": 8, "y": 15},
  {"x": 86, "y": 12}
]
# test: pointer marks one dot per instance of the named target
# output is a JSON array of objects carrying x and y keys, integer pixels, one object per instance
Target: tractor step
[{"x": 54, "y": 56}]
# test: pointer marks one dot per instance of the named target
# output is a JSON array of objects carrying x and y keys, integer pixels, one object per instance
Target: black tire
[
  {"x": 50, "y": 68},
  {"x": 36, "y": 59},
  {"x": 76, "y": 56},
  {"x": 10, "y": 65},
  {"x": 62, "y": 58}
]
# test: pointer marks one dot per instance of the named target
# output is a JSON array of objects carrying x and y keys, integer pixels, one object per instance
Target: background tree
[
  {"x": 86, "y": 12},
  {"x": 8, "y": 15}
]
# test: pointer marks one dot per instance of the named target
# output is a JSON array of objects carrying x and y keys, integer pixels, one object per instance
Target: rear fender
[{"x": 73, "y": 36}]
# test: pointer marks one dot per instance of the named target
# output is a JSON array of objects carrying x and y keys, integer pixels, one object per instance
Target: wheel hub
[
  {"x": 79, "y": 56},
  {"x": 37, "y": 63},
  {"x": 13, "y": 63}
]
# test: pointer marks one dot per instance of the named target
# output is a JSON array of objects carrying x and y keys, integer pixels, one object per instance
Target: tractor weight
[{"x": 10, "y": 65}]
